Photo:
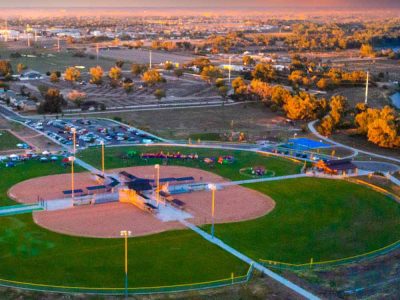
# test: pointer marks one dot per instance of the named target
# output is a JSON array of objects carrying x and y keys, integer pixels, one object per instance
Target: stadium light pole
[
  {"x": 157, "y": 167},
  {"x": 102, "y": 157},
  {"x": 72, "y": 159},
  {"x": 73, "y": 130},
  {"x": 126, "y": 234},
  {"x": 213, "y": 188}
]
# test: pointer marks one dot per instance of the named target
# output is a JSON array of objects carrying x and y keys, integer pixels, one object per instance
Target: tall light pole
[
  {"x": 213, "y": 188},
  {"x": 229, "y": 68},
  {"x": 102, "y": 157},
  {"x": 150, "y": 59},
  {"x": 72, "y": 159},
  {"x": 73, "y": 130},
  {"x": 157, "y": 167},
  {"x": 126, "y": 234},
  {"x": 366, "y": 89}
]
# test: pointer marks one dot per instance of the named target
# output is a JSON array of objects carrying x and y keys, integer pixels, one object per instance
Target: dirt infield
[{"x": 232, "y": 204}]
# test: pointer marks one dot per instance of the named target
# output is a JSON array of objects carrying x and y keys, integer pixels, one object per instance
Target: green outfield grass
[
  {"x": 32, "y": 254},
  {"x": 8, "y": 141},
  {"x": 243, "y": 159},
  {"x": 316, "y": 218},
  {"x": 26, "y": 170}
]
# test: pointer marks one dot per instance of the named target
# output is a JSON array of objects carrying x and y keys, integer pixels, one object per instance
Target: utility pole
[
  {"x": 150, "y": 58},
  {"x": 366, "y": 89},
  {"x": 58, "y": 44},
  {"x": 230, "y": 68}
]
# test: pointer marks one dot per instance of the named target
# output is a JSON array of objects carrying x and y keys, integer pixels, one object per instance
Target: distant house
[{"x": 337, "y": 167}]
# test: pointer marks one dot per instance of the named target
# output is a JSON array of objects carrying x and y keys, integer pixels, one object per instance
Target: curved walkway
[{"x": 317, "y": 134}]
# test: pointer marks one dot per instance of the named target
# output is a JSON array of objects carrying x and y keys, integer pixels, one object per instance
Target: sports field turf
[
  {"x": 314, "y": 218},
  {"x": 26, "y": 170},
  {"x": 8, "y": 141},
  {"x": 113, "y": 158},
  {"x": 32, "y": 254},
  {"x": 318, "y": 218}
]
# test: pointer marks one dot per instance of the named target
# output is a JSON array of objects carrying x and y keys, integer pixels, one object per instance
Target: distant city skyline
[{"x": 201, "y": 4}]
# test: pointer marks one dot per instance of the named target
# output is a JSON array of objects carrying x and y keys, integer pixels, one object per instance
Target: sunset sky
[{"x": 200, "y": 3}]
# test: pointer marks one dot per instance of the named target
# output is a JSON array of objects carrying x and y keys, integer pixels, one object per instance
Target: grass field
[
  {"x": 46, "y": 60},
  {"x": 8, "y": 141},
  {"x": 231, "y": 171},
  {"x": 254, "y": 119},
  {"x": 26, "y": 170},
  {"x": 318, "y": 218},
  {"x": 99, "y": 262}
]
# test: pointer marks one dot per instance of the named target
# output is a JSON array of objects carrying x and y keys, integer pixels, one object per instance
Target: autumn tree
[
  {"x": 239, "y": 86},
  {"x": 115, "y": 73},
  {"x": 53, "y": 102},
  {"x": 366, "y": 50},
  {"x": 326, "y": 126},
  {"x": 304, "y": 106},
  {"x": 338, "y": 105},
  {"x": 138, "y": 69},
  {"x": 210, "y": 73},
  {"x": 151, "y": 77},
  {"x": 96, "y": 75},
  {"x": 72, "y": 74},
  {"x": 54, "y": 78},
  {"x": 128, "y": 85},
  {"x": 379, "y": 125},
  {"x": 21, "y": 67},
  {"x": 5, "y": 68},
  {"x": 264, "y": 72},
  {"x": 248, "y": 60},
  {"x": 323, "y": 84}
]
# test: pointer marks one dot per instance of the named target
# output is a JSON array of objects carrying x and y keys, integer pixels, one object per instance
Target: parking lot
[{"x": 90, "y": 132}]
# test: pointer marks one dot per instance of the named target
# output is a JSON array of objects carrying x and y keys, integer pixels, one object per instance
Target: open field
[
  {"x": 253, "y": 119},
  {"x": 115, "y": 158},
  {"x": 314, "y": 218},
  {"x": 29, "y": 136},
  {"x": 23, "y": 171},
  {"x": 47, "y": 60},
  {"x": 142, "y": 56},
  {"x": 350, "y": 138},
  {"x": 8, "y": 141},
  {"x": 309, "y": 220}
]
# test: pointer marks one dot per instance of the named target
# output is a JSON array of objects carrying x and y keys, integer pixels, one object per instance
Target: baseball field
[{"x": 311, "y": 218}]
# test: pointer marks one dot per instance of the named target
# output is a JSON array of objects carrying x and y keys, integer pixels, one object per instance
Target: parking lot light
[{"x": 72, "y": 159}]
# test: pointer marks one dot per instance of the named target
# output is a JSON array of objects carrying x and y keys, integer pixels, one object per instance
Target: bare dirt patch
[{"x": 232, "y": 204}]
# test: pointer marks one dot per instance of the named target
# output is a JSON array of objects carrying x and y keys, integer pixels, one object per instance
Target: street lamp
[
  {"x": 102, "y": 156},
  {"x": 213, "y": 188},
  {"x": 157, "y": 167},
  {"x": 72, "y": 159},
  {"x": 73, "y": 130},
  {"x": 126, "y": 234}
]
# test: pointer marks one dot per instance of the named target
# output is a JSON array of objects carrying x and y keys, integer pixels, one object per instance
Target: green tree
[{"x": 159, "y": 94}]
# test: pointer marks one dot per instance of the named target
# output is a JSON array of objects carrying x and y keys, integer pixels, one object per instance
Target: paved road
[
  {"x": 316, "y": 133},
  {"x": 297, "y": 289}
]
